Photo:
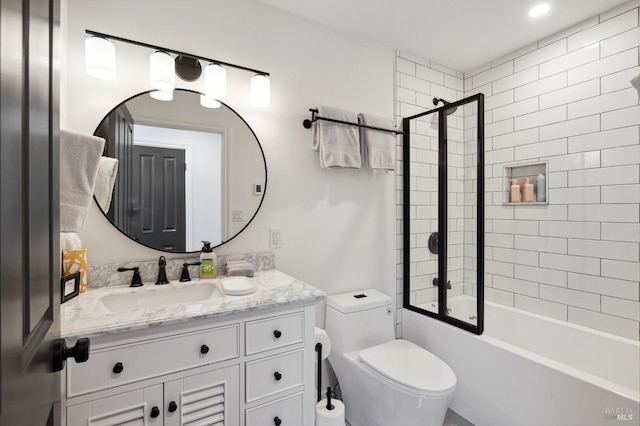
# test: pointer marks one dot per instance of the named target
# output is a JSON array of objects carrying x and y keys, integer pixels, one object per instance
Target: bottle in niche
[
  {"x": 515, "y": 192},
  {"x": 527, "y": 191},
  {"x": 541, "y": 189}
]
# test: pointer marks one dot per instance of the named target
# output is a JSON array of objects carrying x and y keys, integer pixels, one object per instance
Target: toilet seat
[{"x": 409, "y": 367}]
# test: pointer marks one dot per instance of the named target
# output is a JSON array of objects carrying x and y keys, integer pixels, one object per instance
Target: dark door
[
  {"x": 117, "y": 130},
  {"x": 159, "y": 197},
  {"x": 29, "y": 212}
]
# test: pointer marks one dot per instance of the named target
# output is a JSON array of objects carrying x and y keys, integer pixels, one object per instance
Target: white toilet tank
[{"x": 358, "y": 320}]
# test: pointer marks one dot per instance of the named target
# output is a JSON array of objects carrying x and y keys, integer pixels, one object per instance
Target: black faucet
[
  {"x": 162, "y": 272},
  {"x": 185, "y": 271},
  {"x": 136, "y": 281}
]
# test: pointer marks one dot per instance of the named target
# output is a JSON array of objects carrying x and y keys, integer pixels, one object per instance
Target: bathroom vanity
[{"x": 186, "y": 354}]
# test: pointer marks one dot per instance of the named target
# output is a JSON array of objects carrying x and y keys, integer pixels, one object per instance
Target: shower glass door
[{"x": 443, "y": 212}]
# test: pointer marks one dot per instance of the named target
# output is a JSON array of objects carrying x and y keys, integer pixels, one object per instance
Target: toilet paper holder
[{"x": 319, "y": 351}]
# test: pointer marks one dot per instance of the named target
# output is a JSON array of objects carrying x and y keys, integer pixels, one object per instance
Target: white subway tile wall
[{"x": 566, "y": 100}]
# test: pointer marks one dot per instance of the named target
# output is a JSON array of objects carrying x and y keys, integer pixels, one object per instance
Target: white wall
[
  {"x": 566, "y": 100},
  {"x": 337, "y": 225}
]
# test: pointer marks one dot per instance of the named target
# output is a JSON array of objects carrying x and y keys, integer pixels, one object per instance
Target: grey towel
[
  {"x": 378, "y": 146},
  {"x": 79, "y": 157},
  {"x": 338, "y": 144}
]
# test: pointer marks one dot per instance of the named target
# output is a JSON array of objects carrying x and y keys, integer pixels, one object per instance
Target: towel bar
[{"x": 314, "y": 117}]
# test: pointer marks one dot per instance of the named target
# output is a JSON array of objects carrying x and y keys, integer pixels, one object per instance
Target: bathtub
[{"x": 531, "y": 370}]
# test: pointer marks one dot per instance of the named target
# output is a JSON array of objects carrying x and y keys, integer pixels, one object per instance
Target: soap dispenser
[
  {"x": 527, "y": 191},
  {"x": 515, "y": 191},
  {"x": 208, "y": 262}
]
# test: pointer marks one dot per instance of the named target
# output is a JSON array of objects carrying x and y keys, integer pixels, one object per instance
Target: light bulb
[
  {"x": 207, "y": 102},
  {"x": 162, "y": 71},
  {"x": 215, "y": 82},
  {"x": 100, "y": 58},
  {"x": 539, "y": 10},
  {"x": 260, "y": 90},
  {"x": 162, "y": 95}
]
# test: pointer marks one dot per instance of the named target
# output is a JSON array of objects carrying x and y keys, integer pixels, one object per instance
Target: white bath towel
[
  {"x": 378, "y": 146},
  {"x": 79, "y": 157},
  {"x": 69, "y": 241},
  {"x": 338, "y": 144},
  {"x": 105, "y": 179}
]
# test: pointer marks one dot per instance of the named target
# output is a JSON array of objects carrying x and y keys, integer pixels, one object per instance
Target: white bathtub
[{"x": 527, "y": 369}]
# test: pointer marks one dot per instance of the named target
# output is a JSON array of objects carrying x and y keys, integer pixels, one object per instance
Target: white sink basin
[{"x": 161, "y": 296}]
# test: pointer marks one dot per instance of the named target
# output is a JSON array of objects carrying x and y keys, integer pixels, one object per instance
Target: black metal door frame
[{"x": 443, "y": 214}]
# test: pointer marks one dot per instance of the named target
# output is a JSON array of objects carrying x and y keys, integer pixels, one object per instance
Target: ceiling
[{"x": 459, "y": 34}]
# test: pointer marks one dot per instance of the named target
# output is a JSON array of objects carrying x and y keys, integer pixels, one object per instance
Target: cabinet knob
[
  {"x": 277, "y": 421},
  {"x": 277, "y": 376},
  {"x": 173, "y": 406},
  {"x": 118, "y": 368},
  {"x": 277, "y": 333},
  {"x": 155, "y": 412},
  {"x": 204, "y": 349}
]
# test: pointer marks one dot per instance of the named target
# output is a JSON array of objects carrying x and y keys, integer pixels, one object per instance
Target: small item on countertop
[
  {"x": 240, "y": 268},
  {"x": 238, "y": 286},
  {"x": 208, "y": 262}
]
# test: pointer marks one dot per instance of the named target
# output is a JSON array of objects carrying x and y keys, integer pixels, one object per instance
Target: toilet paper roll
[
  {"x": 322, "y": 337},
  {"x": 325, "y": 417}
]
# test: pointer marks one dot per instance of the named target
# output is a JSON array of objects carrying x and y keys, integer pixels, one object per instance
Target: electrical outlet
[{"x": 275, "y": 238}]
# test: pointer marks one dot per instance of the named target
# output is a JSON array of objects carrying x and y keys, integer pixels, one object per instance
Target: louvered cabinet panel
[
  {"x": 211, "y": 399},
  {"x": 126, "y": 409}
]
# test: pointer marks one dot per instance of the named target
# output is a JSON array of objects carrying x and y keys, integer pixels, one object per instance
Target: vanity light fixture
[
  {"x": 162, "y": 95},
  {"x": 162, "y": 71},
  {"x": 100, "y": 58},
  {"x": 215, "y": 82},
  {"x": 207, "y": 102},
  {"x": 260, "y": 91},
  {"x": 163, "y": 68}
]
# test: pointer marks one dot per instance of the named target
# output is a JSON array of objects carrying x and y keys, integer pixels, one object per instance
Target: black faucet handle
[
  {"x": 185, "y": 271},
  {"x": 162, "y": 271},
  {"x": 136, "y": 280}
]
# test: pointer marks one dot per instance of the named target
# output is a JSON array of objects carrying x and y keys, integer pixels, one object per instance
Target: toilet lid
[{"x": 410, "y": 366}]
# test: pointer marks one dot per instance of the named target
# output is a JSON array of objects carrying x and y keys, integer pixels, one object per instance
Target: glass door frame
[{"x": 441, "y": 315}]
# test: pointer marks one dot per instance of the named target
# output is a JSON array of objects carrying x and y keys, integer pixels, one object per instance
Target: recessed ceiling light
[{"x": 539, "y": 10}]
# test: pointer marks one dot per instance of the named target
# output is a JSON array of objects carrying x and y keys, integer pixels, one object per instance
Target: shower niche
[{"x": 443, "y": 212}]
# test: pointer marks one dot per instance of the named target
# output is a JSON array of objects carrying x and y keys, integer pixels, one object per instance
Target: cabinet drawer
[
  {"x": 276, "y": 332},
  {"x": 126, "y": 364},
  {"x": 288, "y": 410},
  {"x": 269, "y": 376}
]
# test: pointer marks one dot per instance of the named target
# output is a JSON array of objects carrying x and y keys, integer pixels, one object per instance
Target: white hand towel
[
  {"x": 378, "y": 147},
  {"x": 70, "y": 241},
  {"x": 337, "y": 143},
  {"x": 79, "y": 157},
  {"x": 105, "y": 179}
]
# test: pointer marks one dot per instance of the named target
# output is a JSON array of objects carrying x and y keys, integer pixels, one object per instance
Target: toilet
[{"x": 384, "y": 381}]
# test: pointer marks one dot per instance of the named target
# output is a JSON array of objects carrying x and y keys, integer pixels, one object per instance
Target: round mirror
[{"x": 185, "y": 173}]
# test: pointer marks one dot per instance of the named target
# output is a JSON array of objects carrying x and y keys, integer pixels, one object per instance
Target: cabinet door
[
  {"x": 142, "y": 407},
  {"x": 211, "y": 398}
]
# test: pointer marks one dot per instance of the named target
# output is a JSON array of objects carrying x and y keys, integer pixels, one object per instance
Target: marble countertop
[{"x": 87, "y": 315}]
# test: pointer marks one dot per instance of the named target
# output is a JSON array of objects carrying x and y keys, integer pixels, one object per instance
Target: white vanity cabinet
[{"x": 239, "y": 370}]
